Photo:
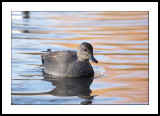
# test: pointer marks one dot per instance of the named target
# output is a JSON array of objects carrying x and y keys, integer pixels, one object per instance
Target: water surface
[{"x": 120, "y": 41}]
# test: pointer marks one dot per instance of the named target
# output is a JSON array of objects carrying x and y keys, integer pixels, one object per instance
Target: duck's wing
[{"x": 59, "y": 57}]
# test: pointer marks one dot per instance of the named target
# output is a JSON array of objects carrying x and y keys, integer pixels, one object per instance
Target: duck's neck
[{"x": 82, "y": 59}]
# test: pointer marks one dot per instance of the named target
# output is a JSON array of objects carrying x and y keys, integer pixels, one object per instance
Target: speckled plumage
[{"x": 69, "y": 63}]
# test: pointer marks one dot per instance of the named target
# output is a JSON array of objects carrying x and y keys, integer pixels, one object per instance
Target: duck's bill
[{"x": 93, "y": 59}]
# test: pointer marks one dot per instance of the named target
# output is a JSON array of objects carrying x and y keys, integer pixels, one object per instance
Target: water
[{"x": 120, "y": 42}]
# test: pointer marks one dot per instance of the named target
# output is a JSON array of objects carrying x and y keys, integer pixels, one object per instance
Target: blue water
[{"x": 120, "y": 42}]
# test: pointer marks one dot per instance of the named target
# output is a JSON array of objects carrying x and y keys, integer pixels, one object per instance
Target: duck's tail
[
  {"x": 42, "y": 56},
  {"x": 48, "y": 50}
]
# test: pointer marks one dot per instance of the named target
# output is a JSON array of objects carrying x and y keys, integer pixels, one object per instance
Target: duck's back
[{"x": 60, "y": 56}]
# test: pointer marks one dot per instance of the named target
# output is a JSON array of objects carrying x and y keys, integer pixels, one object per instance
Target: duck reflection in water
[{"x": 71, "y": 87}]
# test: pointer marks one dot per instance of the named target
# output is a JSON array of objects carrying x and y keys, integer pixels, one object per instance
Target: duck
[{"x": 69, "y": 63}]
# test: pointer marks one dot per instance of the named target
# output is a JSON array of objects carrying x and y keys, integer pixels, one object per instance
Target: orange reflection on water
[
  {"x": 124, "y": 57},
  {"x": 120, "y": 42}
]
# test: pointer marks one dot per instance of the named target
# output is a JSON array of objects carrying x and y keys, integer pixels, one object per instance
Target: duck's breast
[{"x": 80, "y": 69}]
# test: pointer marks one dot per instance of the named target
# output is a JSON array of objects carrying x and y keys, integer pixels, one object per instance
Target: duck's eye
[{"x": 85, "y": 49}]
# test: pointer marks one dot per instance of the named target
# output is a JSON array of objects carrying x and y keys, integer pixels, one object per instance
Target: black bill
[{"x": 93, "y": 59}]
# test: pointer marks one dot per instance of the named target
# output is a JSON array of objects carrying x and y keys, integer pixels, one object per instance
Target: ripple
[{"x": 120, "y": 42}]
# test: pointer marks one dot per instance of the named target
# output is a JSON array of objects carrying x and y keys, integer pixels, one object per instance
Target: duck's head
[{"x": 85, "y": 52}]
